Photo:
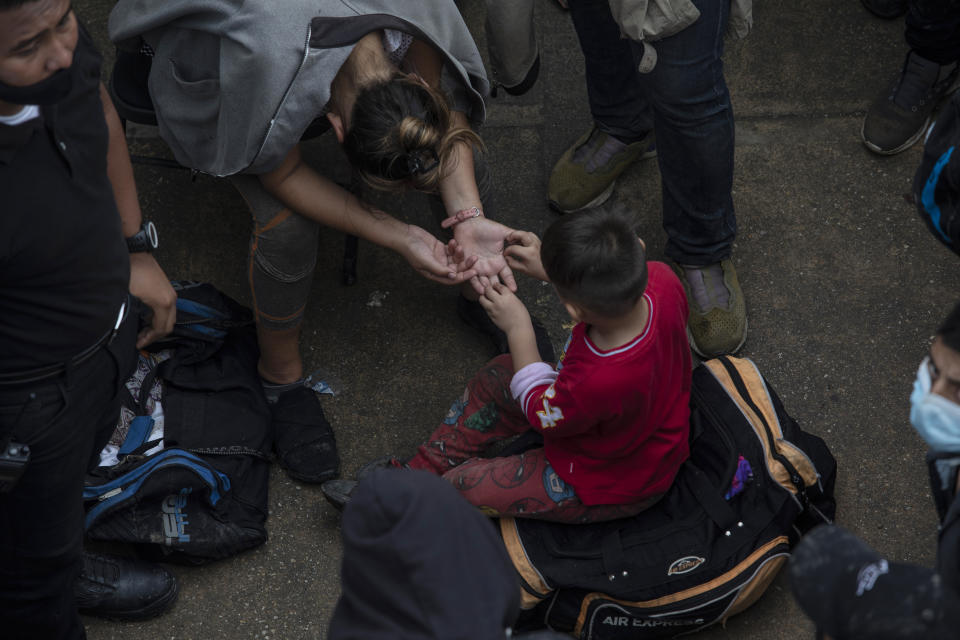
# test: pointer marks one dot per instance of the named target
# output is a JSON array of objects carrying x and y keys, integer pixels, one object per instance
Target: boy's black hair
[
  {"x": 596, "y": 261},
  {"x": 949, "y": 331}
]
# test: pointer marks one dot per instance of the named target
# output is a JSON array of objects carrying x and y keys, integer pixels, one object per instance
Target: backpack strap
[
  {"x": 205, "y": 326},
  {"x": 709, "y": 497},
  {"x": 142, "y": 424},
  {"x": 142, "y": 448},
  {"x": 611, "y": 548},
  {"x": 137, "y": 434}
]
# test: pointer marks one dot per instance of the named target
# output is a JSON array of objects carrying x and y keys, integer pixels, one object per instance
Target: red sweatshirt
[{"x": 615, "y": 423}]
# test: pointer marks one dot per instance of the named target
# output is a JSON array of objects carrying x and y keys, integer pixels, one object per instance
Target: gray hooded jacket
[{"x": 236, "y": 83}]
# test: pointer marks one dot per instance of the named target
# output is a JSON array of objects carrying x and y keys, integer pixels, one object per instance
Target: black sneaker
[
  {"x": 387, "y": 462},
  {"x": 886, "y": 9},
  {"x": 472, "y": 313},
  {"x": 900, "y": 117},
  {"x": 303, "y": 439},
  {"x": 338, "y": 492},
  {"x": 123, "y": 588}
]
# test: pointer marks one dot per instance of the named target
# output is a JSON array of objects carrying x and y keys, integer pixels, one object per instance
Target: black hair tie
[{"x": 415, "y": 161}]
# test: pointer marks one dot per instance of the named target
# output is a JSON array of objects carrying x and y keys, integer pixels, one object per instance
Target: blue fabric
[
  {"x": 686, "y": 102},
  {"x": 137, "y": 434},
  {"x": 928, "y": 197},
  {"x": 202, "y": 310},
  {"x": 936, "y": 183}
]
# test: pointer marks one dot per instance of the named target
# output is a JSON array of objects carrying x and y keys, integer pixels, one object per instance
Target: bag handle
[
  {"x": 137, "y": 434},
  {"x": 710, "y": 499},
  {"x": 612, "y": 556}
]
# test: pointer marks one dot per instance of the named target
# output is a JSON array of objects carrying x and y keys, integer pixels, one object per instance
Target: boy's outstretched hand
[
  {"x": 508, "y": 312},
  {"x": 504, "y": 308},
  {"x": 523, "y": 254}
]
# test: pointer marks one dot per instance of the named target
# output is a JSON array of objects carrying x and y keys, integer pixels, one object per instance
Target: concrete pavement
[{"x": 844, "y": 287}]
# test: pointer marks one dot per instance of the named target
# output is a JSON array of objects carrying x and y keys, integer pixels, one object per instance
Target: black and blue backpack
[
  {"x": 203, "y": 495},
  {"x": 936, "y": 185}
]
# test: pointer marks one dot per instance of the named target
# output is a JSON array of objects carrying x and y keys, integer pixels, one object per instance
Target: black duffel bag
[{"x": 709, "y": 548}]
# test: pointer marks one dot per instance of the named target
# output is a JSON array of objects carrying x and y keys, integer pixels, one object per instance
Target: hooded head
[{"x": 419, "y": 562}]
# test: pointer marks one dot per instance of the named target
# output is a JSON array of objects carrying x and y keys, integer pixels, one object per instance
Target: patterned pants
[{"x": 522, "y": 485}]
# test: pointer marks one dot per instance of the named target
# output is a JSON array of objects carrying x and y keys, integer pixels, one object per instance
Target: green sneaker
[
  {"x": 586, "y": 172},
  {"x": 718, "y": 314}
]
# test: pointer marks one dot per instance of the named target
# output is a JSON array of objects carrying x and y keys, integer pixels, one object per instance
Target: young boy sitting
[{"x": 614, "y": 413}]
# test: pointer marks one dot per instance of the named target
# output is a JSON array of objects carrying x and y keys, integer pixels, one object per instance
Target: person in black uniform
[{"x": 68, "y": 324}]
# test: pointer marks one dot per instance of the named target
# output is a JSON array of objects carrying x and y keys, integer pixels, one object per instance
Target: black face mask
[{"x": 46, "y": 92}]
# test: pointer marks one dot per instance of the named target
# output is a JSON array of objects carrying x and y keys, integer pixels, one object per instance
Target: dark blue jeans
[
  {"x": 686, "y": 102},
  {"x": 65, "y": 420},
  {"x": 933, "y": 29}
]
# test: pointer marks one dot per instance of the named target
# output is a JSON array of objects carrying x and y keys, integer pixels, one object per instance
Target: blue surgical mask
[{"x": 935, "y": 418}]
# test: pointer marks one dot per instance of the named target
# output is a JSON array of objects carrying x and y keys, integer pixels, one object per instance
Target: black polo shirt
[{"x": 64, "y": 267}]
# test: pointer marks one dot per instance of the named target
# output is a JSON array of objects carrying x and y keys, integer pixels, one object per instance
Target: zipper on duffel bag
[{"x": 121, "y": 488}]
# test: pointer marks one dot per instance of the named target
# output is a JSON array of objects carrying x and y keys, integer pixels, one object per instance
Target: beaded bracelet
[{"x": 476, "y": 214}]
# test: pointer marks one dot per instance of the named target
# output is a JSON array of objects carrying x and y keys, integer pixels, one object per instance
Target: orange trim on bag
[
  {"x": 776, "y": 469},
  {"x": 758, "y": 389},
  {"x": 681, "y": 595},
  {"x": 529, "y": 574},
  {"x": 756, "y": 587}
]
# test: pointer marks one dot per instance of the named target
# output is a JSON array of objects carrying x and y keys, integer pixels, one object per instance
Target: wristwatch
[{"x": 143, "y": 240}]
